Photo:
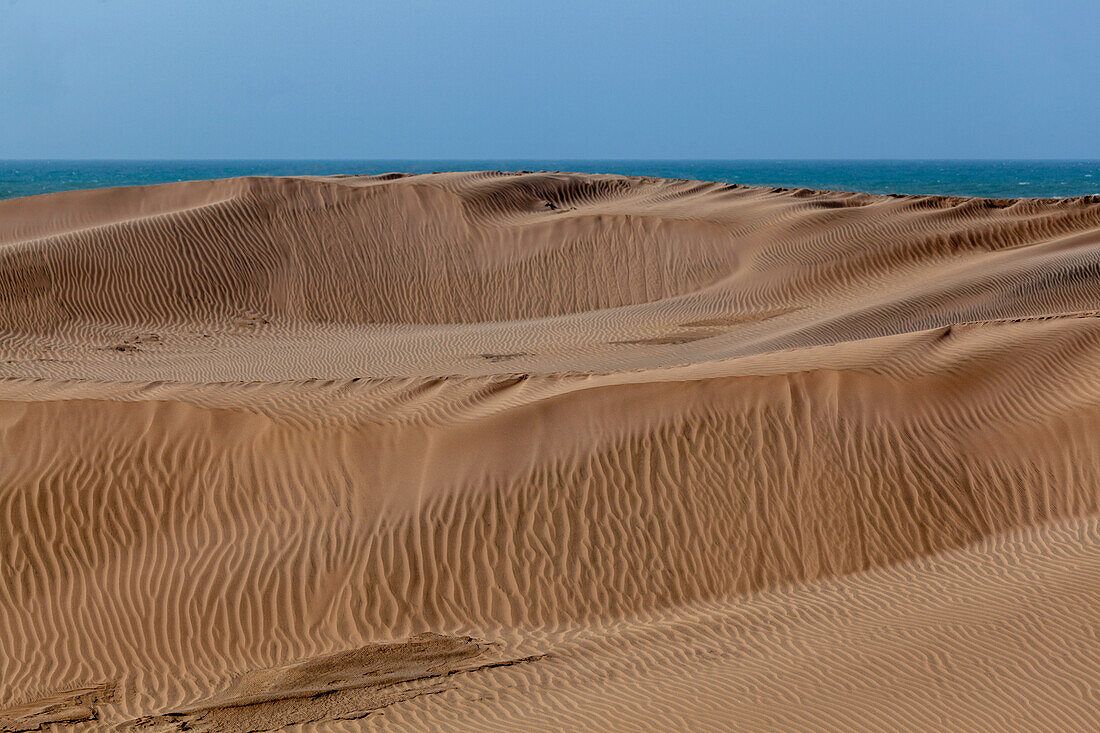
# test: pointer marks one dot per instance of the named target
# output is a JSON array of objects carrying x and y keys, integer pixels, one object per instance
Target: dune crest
[{"x": 527, "y": 451}]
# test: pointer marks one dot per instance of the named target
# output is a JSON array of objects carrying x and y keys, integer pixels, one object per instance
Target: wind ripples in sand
[{"x": 617, "y": 443}]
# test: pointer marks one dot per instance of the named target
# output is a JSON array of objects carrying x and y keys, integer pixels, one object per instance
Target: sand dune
[{"x": 547, "y": 451}]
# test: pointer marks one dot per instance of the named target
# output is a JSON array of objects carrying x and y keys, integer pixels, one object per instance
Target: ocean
[{"x": 985, "y": 178}]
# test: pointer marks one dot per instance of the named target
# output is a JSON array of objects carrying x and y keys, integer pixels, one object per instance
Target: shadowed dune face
[
  {"x": 260, "y": 428},
  {"x": 300, "y": 250}
]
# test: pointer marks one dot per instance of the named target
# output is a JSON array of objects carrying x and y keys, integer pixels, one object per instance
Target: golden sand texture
[{"x": 485, "y": 451}]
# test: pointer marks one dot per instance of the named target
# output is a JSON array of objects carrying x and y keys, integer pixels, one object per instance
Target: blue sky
[{"x": 549, "y": 79}]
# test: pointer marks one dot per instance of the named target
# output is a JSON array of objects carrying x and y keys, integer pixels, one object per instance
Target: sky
[{"x": 554, "y": 79}]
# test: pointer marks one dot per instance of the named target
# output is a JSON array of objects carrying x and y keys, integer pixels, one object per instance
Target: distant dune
[{"x": 484, "y": 451}]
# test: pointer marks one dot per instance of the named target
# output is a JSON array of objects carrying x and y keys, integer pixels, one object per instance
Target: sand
[{"x": 484, "y": 451}]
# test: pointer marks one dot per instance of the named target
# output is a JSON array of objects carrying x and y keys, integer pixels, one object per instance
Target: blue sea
[{"x": 986, "y": 178}]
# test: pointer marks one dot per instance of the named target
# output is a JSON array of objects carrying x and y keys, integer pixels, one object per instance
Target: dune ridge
[{"x": 631, "y": 431}]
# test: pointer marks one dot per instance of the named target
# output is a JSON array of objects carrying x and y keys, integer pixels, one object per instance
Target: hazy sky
[{"x": 549, "y": 79}]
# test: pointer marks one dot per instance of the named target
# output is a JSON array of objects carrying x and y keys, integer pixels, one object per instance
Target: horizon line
[{"x": 539, "y": 159}]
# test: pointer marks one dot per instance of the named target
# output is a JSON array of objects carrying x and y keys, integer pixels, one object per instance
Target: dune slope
[{"x": 547, "y": 451}]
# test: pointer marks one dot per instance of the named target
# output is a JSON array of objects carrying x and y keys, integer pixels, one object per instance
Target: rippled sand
[{"x": 486, "y": 451}]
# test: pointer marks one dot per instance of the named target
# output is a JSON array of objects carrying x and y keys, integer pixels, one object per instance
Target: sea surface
[{"x": 986, "y": 178}]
